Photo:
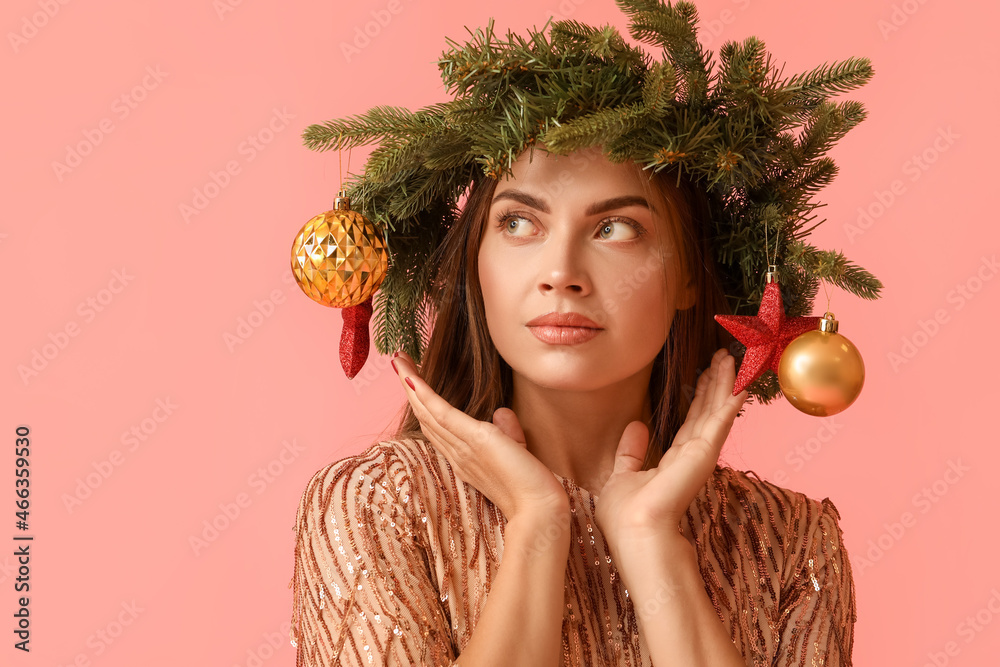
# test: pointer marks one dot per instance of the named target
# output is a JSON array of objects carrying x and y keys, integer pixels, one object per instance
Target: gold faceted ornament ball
[
  {"x": 821, "y": 372},
  {"x": 339, "y": 257}
]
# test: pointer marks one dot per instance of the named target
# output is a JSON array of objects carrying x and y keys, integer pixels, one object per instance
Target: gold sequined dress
[{"x": 394, "y": 557}]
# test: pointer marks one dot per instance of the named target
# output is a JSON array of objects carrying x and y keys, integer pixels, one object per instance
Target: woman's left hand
[{"x": 638, "y": 505}]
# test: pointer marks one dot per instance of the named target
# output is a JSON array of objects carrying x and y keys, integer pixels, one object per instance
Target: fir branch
[
  {"x": 419, "y": 311},
  {"x": 765, "y": 388},
  {"x": 684, "y": 137},
  {"x": 418, "y": 193},
  {"x": 834, "y": 267},
  {"x": 591, "y": 130},
  {"x": 385, "y": 319},
  {"x": 438, "y": 150},
  {"x": 743, "y": 66},
  {"x": 608, "y": 43},
  {"x": 568, "y": 31},
  {"x": 425, "y": 323},
  {"x": 362, "y": 129},
  {"x": 636, "y": 6},
  {"x": 457, "y": 62},
  {"x": 674, "y": 29},
  {"x": 737, "y": 160},
  {"x": 781, "y": 147},
  {"x": 658, "y": 88},
  {"x": 802, "y": 217},
  {"x": 805, "y": 182},
  {"x": 390, "y": 157},
  {"x": 827, "y": 125},
  {"x": 378, "y": 199},
  {"x": 398, "y": 325},
  {"x": 798, "y": 290},
  {"x": 486, "y": 64},
  {"x": 747, "y": 84},
  {"x": 829, "y": 80},
  {"x": 464, "y": 112},
  {"x": 451, "y": 151}
]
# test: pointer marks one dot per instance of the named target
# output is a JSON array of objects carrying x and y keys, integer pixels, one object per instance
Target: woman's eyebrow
[{"x": 593, "y": 209}]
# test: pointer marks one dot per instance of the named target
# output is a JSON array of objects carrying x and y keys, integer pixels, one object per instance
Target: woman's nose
[{"x": 562, "y": 266}]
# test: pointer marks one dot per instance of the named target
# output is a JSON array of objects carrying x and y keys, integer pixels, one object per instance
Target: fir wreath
[{"x": 754, "y": 141}]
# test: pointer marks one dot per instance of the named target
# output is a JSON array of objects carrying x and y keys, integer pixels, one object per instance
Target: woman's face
[{"x": 572, "y": 234}]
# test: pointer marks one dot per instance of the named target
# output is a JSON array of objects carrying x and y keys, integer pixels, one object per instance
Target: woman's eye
[
  {"x": 510, "y": 224},
  {"x": 622, "y": 224}
]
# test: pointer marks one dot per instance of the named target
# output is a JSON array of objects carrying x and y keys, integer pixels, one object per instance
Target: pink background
[{"x": 279, "y": 401}]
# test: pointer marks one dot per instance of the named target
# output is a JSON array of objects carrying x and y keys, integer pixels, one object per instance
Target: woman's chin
[{"x": 566, "y": 373}]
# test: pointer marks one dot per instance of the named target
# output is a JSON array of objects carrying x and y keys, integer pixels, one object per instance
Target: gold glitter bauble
[
  {"x": 339, "y": 258},
  {"x": 821, "y": 372}
]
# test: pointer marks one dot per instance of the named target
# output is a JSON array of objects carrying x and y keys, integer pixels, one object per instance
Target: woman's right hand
[{"x": 494, "y": 458}]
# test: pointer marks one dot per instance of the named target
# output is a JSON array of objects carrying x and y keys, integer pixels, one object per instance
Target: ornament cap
[
  {"x": 772, "y": 274},
  {"x": 828, "y": 323},
  {"x": 342, "y": 202}
]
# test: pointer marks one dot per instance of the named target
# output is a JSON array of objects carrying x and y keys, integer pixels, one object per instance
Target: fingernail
[
  {"x": 410, "y": 382},
  {"x": 393, "y": 362}
]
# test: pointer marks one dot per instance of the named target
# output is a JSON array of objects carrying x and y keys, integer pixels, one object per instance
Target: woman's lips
[{"x": 563, "y": 335}]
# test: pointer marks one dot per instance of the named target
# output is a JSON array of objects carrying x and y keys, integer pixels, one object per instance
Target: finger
[
  {"x": 507, "y": 421},
  {"x": 717, "y": 427},
  {"x": 719, "y": 390},
  {"x": 720, "y": 420},
  {"x": 446, "y": 421},
  {"x": 727, "y": 382},
  {"x": 632, "y": 448},
  {"x": 700, "y": 390},
  {"x": 404, "y": 366},
  {"x": 736, "y": 400},
  {"x": 431, "y": 430},
  {"x": 428, "y": 424},
  {"x": 707, "y": 384},
  {"x": 406, "y": 357},
  {"x": 693, "y": 417}
]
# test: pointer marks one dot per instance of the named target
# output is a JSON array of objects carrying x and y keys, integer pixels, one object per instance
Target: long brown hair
[{"x": 463, "y": 366}]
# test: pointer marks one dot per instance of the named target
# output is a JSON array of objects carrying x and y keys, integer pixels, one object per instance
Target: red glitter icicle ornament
[
  {"x": 766, "y": 334},
  {"x": 339, "y": 259},
  {"x": 354, "y": 339}
]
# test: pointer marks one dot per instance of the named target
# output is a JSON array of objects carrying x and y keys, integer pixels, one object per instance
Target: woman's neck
[{"x": 576, "y": 433}]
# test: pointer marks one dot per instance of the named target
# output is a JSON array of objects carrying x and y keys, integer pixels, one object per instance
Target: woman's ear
[{"x": 686, "y": 296}]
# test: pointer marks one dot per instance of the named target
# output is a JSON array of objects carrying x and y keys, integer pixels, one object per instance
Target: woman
[{"x": 553, "y": 494}]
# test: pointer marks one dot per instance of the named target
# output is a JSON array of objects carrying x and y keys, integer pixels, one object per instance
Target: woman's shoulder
[
  {"x": 374, "y": 489},
  {"x": 788, "y": 546},
  {"x": 388, "y": 459},
  {"x": 396, "y": 471},
  {"x": 741, "y": 496},
  {"x": 379, "y": 459},
  {"x": 739, "y": 516}
]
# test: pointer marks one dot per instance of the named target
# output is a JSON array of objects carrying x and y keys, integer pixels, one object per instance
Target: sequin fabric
[{"x": 394, "y": 557}]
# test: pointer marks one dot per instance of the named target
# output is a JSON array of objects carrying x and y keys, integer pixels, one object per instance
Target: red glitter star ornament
[{"x": 766, "y": 335}]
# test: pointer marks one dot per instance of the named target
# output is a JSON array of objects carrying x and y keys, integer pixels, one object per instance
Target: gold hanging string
[
  {"x": 340, "y": 161},
  {"x": 770, "y": 263},
  {"x": 767, "y": 254}
]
